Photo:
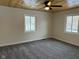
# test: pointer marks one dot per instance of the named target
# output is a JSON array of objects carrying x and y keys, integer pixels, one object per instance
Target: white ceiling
[{"x": 38, "y": 4}]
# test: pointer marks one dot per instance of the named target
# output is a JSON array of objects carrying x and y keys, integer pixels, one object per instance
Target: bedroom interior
[{"x": 39, "y": 29}]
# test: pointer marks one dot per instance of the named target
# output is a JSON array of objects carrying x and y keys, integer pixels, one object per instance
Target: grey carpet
[{"x": 42, "y": 49}]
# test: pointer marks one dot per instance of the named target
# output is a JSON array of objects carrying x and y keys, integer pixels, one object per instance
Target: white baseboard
[
  {"x": 64, "y": 40},
  {"x": 20, "y": 42}
]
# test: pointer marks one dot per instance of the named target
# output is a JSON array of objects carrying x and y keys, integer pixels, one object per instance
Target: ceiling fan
[{"x": 48, "y": 5}]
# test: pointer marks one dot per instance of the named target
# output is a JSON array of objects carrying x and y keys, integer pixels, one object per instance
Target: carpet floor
[{"x": 42, "y": 49}]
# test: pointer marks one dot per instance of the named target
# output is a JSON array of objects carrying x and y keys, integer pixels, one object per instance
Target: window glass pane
[
  {"x": 32, "y": 23},
  {"x": 27, "y": 23},
  {"x": 75, "y": 24},
  {"x": 68, "y": 24}
]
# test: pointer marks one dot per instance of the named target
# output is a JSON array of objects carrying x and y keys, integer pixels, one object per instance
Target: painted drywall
[
  {"x": 12, "y": 25},
  {"x": 58, "y": 25}
]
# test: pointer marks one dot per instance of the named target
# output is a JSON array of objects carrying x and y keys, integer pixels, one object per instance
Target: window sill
[
  {"x": 71, "y": 32},
  {"x": 29, "y": 31}
]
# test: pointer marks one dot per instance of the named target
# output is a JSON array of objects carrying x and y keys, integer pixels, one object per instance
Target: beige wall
[
  {"x": 48, "y": 25},
  {"x": 12, "y": 25},
  {"x": 58, "y": 23}
]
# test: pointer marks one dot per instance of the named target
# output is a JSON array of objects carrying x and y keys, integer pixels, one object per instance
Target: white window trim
[
  {"x": 35, "y": 24},
  {"x": 65, "y": 26}
]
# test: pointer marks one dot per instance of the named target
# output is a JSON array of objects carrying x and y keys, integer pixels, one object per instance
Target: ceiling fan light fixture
[
  {"x": 47, "y": 8},
  {"x": 49, "y": 3}
]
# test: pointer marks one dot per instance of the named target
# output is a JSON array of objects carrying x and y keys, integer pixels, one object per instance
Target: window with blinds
[
  {"x": 72, "y": 24},
  {"x": 29, "y": 23}
]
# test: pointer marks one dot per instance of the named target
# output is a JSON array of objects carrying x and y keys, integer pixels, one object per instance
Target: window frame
[
  {"x": 35, "y": 24},
  {"x": 65, "y": 22}
]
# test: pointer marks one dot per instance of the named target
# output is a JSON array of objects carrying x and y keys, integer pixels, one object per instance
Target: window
[
  {"x": 72, "y": 23},
  {"x": 29, "y": 23},
  {"x": 72, "y": 3}
]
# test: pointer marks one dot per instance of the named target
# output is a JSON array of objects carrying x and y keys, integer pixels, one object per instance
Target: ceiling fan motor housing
[{"x": 46, "y": 3}]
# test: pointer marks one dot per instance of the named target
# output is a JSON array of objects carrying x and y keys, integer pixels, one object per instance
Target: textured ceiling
[{"x": 38, "y": 4}]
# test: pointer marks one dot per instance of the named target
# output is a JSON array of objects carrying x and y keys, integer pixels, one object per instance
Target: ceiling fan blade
[{"x": 56, "y": 5}]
